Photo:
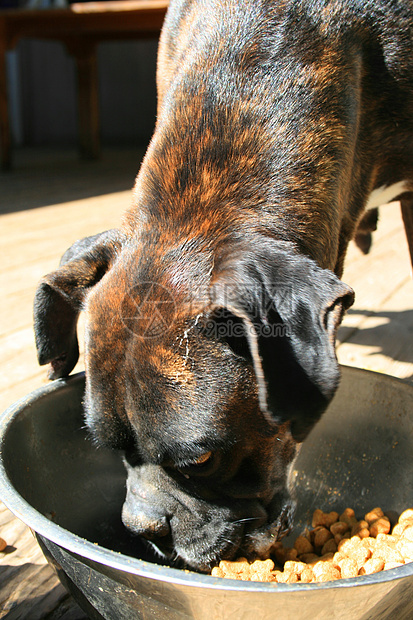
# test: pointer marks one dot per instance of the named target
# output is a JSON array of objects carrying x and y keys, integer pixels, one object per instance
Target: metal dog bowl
[{"x": 70, "y": 493}]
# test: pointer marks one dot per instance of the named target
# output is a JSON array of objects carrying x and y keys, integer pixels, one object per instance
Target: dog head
[{"x": 207, "y": 369}]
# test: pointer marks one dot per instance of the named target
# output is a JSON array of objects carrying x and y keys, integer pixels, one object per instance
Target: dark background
[{"x": 42, "y": 90}]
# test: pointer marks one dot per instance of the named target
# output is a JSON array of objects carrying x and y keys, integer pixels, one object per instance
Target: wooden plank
[
  {"x": 29, "y": 587},
  {"x": 38, "y": 181},
  {"x": 18, "y": 390},
  {"x": 21, "y": 304},
  {"x": 45, "y": 233},
  {"x": 377, "y": 332},
  {"x": 378, "y": 276},
  {"x": 21, "y": 374},
  {"x": 383, "y": 340}
]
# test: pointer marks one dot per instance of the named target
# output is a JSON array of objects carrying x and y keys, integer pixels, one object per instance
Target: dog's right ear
[
  {"x": 291, "y": 309},
  {"x": 60, "y": 295}
]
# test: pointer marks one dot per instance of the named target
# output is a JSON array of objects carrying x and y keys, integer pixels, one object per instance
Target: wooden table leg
[
  {"x": 406, "y": 203},
  {"x": 5, "y": 141},
  {"x": 88, "y": 97}
]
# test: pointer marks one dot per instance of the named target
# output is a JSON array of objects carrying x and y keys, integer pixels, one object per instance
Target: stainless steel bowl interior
[{"x": 70, "y": 492}]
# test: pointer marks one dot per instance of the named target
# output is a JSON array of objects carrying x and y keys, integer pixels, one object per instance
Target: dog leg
[
  {"x": 366, "y": 226},
  {"x": 406, "y": 203}
]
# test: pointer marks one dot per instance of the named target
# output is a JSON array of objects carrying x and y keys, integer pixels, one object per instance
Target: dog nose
[{"x": 148, "y": 525}]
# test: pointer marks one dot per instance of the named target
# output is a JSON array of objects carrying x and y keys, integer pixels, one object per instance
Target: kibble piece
[
  {"x": 217, "y": 572},
  {"x": 287, "y": 577},
  {"x": 291, "y": 554},
  {"x": 390, "y": 565},
  {"x": 303, "y": 545},
  {"x": 3, "y": 544},
  {"x": 339, "y": 537},
  {"x": 387, "y": 553},
  {"x": 318, "y": 518},
  {"x": 348, "y": 568},
  {"x": 373, "y": 515},
  {"x": 307, "y": 576},
  {"x": 380, "y": 526},
  {"x": 276, "y": 545},
  {"x": 285, "y": 554},
  {"x": 324, "y": 571},
  {"x": 330, "y": 518},
  {"x": 339, "y": 527},
  {"x": 239, "y": 569},
  {"x": 373, "y": 565},
  {"x": 267, "y": 564},
  {"x": 369, "y": 543},
  {"x": 237, "y": 566},
  {"x": 261, "y": 570},
  {"x": 360, "y": 555},
  {"x": 358, "y": 527},
  {"x": 338, "y": 556},
  {"x": 329, "y": 547},
  {"x": 406, "y": 549},
  {"x": 348, "y": 545},
  {"x": 399, "y": 529},
  {"x": 348, "y": 517},
  {"x": 264, "y": 577},
  {"x": 324, "y": 518},
  {"x": 408, "y": 533},
  {"x": 295, "y": 567},
  {"x": 321, "y": 536},
  {"x": 314, "y": 531},
  {"x": 387, "y": 539},
  {"x": 406, "y": 516},
  {"x": 354, "y": 548}
]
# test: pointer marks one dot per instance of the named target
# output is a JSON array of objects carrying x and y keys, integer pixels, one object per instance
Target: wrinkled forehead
[{"x": 148, "y": 295}]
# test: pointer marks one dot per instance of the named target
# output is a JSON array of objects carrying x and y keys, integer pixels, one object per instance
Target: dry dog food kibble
[{"x": 338, "y": 546}]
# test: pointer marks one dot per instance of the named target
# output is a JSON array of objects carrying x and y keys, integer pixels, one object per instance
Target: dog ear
[
  {"x": 291, "y": 310},
  {"x": 59, "y": 298}
]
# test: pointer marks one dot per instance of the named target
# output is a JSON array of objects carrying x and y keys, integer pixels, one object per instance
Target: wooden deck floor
[{"x": 50, "y": 200}]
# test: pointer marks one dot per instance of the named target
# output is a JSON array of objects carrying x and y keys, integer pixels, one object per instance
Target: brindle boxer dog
[{"x": 211, "y": 313}]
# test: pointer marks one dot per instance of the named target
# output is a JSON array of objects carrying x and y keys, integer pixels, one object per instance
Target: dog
[{"x": 211, "y": 313}]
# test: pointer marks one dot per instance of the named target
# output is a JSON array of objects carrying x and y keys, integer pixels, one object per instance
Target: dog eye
[
  {"x": 202, "y": 459},
  {"x": 224, "y": 326},
  {"x": 199, "y": 466}
]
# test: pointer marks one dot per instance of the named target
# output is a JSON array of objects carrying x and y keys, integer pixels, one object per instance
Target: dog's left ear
[
  {"x": 291, "y": 310},
  {"x": 59, "y": 298}
]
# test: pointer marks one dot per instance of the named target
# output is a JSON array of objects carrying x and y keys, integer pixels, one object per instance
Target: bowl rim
[{"x": 79, "y": 546}]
